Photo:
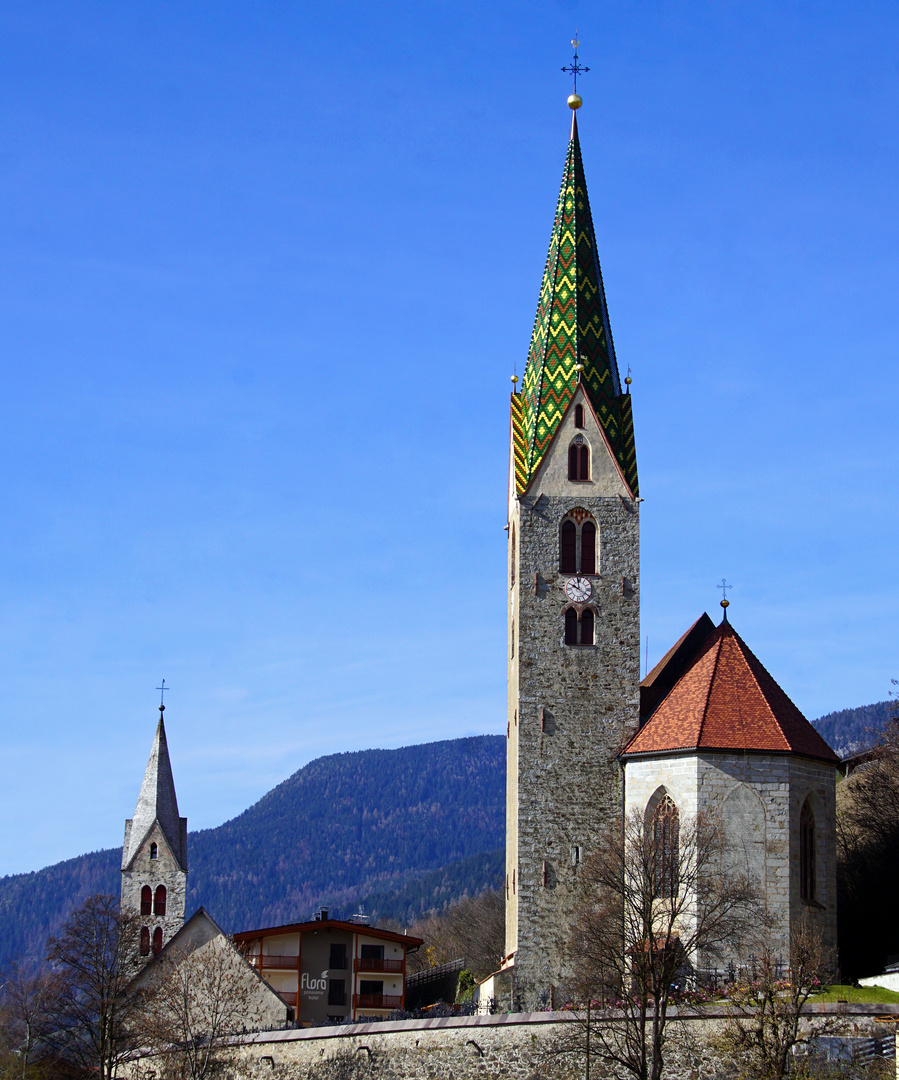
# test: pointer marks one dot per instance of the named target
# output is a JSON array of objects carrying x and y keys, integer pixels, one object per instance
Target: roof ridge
[
  {"x": 747, "y": 654},
  {"x": 711, "y": 683}
]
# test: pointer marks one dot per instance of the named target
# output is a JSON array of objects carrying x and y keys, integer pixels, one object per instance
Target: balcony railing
[
  {"x": 377, "y": 1001},
  {"x": 276, "y": 961},
  {"x": 287, "y": 997},
  {"x": 363, "y": 964}
]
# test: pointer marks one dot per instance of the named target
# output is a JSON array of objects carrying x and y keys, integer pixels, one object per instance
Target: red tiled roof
[{"x": 726, "y": 700}]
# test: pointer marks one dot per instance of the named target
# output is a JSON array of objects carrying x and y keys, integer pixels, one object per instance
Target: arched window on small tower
[
  {"x": 154, "y": 851},
  {"x": 807, "y": 869},
  {"x": 157, "y": 940},
  {"x": 665, "y": 840},
  {"x": 146, "y": 900},
  {"x": 145, "y": 941},
  {"x": 579, "y": 416},
  {"x": 159, "y": 900},
  {"x": 568, "y": 548},
  {"x": 588, "y": 548},
  {"x": 571, "y": 626}
]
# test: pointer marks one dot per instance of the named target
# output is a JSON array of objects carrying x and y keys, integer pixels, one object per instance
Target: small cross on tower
[{"x": 725, "y": 603}]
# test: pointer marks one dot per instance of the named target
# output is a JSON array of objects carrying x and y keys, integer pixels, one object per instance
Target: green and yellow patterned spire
[{"x": 572, "y": 326}]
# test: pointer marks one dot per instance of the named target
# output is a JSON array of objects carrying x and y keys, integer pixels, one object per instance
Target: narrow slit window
[
  {"x": 807, "y": 853},
  {"x": 579, "y": 416},
  {"x": 568, "y": 548},
  {"x": 588, "y": 548},
  {"x": 154, "y": 851}
]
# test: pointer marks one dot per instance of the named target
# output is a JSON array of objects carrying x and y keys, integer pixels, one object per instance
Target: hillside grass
[{"x": 870, "y": 995}]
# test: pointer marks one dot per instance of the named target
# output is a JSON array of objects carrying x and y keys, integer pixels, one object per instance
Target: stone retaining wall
[{"x": 514, "y": 1046}]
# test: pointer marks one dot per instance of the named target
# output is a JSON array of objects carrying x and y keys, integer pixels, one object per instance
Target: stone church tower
[
  {"x": 574, "y": 630},
  {"x": 154, "y": 855}
]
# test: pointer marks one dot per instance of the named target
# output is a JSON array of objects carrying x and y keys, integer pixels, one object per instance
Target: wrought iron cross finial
[
  {"x": 162, "y": 689},
  {"x": 576, "y": 67},
  {"x": 725, "y": 603}
]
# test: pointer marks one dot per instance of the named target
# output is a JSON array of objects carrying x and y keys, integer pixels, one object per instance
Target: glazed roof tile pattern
[
  {"x": 572, "y": 322},
  {"x": 726, "y": 700}
]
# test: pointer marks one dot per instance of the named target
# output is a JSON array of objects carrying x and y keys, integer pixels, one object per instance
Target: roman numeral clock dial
[{"x": 579, "y": 589}]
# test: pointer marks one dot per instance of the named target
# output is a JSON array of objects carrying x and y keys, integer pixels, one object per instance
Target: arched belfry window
[
  {"x": 579, "y": 626},
  {"x": 146, "y": 900},
  {"x": 579, "y": 416},
  {"x": 159, "y": 900},
  {"x": 145, "y": 941},
  {"x": 568, "y": 548},
  {"x": 578, "y": 547},
  {"x": 579, "y": 459},
  {"x": 807, "y": 868},
  {"x": 157, "y": 940},
  {"x": 154, "y": 851},
  {"x": 664, "y": 841}
]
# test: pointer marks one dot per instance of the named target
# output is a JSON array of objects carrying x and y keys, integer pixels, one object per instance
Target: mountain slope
[
  {"x": 399, "y": 828},
  {"x": 850, "y": 730}
]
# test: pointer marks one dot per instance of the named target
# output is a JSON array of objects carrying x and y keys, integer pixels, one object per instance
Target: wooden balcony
[
  {"x": 377, "y": 1001},
  {"x": 287, "y": 997},
  {"x": 394, "y": 966},
  {"x": 276, "y": 961}
]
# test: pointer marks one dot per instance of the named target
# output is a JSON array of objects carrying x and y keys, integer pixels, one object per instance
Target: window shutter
[
  {"x": 568, "y": 549},
  {"x": 587, "y": 627},
  {"x": 588, "y": 548},
  {"x": 159, "y": 901},
  {"x": 146, "y": 901}
]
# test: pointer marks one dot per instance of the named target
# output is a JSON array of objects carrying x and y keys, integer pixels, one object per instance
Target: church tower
[
  {"x": 154, "y": 855},
  {"x": 574, "y": 623}
]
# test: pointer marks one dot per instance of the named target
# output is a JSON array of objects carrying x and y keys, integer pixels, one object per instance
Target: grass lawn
[{"x": 871, "y": 994}]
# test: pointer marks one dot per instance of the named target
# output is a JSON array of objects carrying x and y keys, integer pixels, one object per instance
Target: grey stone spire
[{"x": 157, "y": 802}]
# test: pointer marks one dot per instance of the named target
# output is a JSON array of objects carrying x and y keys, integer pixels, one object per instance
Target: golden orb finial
[
  {"x": 514, "y": 378},
  {"x": 575, "y": 101},
  {"x": 579, "y": 367}
]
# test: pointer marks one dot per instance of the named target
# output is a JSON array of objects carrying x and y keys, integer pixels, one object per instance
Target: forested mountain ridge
[
  {"x": 401, "y": 831},
  {"x": 398, "y": 829},
  {"x": 848, "y": 731}
]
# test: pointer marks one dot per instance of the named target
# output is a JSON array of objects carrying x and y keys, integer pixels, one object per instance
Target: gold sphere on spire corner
[{"x": 575, "y": 101}]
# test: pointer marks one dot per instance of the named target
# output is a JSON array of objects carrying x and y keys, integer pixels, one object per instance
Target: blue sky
[{"x": 266, "y": 271}]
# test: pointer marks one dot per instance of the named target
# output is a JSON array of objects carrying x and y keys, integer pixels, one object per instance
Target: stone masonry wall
[
  {"x": 759, "y": 798},
  {"x": 515, "y": 1046},
  {"x": 570, "y": 707}
]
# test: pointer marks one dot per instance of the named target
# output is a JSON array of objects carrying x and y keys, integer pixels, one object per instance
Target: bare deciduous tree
[
  {"x": 93, "y": 959},
  {"x": 660, "y": 897},
  {"x": 473, "y": 928},
  {"x": 195, "y": 1001},
  {"x": 769, "y": 1000},
  {"x": 29, "y": 996}
]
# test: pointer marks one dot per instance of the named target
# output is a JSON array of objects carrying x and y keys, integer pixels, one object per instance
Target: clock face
[{"x": 579, "y": 589}]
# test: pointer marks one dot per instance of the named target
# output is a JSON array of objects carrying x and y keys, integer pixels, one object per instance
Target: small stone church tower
[
  {"x": 154, "y": 855},
  {"x": 573, "y": 610}
]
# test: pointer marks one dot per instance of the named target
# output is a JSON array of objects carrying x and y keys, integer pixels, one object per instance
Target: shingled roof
[
  {"x": 572, "y": 326},
  {"x": 724, "y": 699}
]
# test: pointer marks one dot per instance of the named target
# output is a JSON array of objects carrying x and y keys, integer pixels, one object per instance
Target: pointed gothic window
[
  {"x": 579, "y": 416},
  {"x": 665, "y": 841},
  {"x": 588, "y": 548},
  {"x": 145, "y": 941},
  {"x": 568, "y": 548},
  {"x": 579, "y": 459},
  {"x": 157, "y": 940},
  {"x": 154, "y": 851},
  {"x": 146, "y": 900},
  {"x": 159, "y": 900},
  {"x": 807, "y": 873},
  {"x": 571, "y": 626}
]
